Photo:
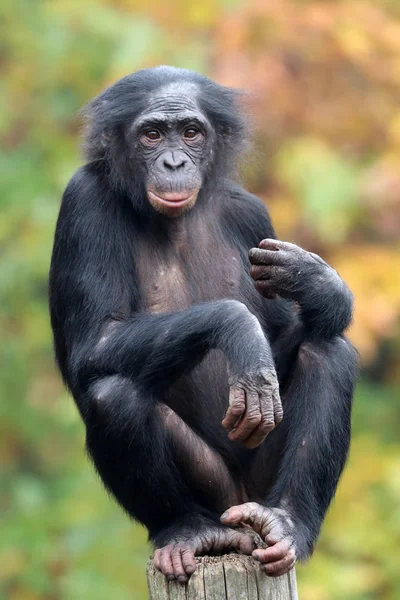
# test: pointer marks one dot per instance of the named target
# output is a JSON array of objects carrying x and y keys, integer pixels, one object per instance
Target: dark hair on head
[{"x": 126, "y": 99}]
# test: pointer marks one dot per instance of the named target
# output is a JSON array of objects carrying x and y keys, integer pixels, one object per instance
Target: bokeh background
[{"x": 324, "y": 79}]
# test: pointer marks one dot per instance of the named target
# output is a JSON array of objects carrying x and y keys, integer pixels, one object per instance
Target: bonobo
[{"x": 216, "y": 390}]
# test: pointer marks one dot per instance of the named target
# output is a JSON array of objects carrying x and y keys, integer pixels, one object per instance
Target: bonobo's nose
[{"x": 174, "y": 161}]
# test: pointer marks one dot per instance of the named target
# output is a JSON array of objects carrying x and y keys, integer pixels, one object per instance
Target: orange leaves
[
  {"x": 372, "y": 272},
  {"x": 326, "y": 83},
  {"x": 328, "y": 67}
]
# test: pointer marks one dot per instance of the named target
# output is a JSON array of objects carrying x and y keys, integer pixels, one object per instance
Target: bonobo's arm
[
  {"x": 284, "y": 269},
  {"x": 154, "y": 349},
  {"x": 92, "y": 287},
  {"x": 317, "y": 435}
]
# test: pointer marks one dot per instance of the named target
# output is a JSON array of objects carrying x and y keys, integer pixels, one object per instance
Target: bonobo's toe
[
  {"x": 177, "y": 559},
  {"x": 276, "y": 528},
  {"x": 277, "y": 559}
]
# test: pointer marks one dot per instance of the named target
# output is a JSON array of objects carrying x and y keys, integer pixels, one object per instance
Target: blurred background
[{"x": 324, "y": 79}]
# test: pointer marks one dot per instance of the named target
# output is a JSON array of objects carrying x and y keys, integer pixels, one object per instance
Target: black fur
[{"x": 108, "y": 240}]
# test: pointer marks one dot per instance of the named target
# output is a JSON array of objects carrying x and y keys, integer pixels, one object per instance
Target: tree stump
[{"x": 227, "y": 577}]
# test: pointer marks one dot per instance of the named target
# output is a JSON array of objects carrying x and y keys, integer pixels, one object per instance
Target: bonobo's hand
[
  {"x": 275, "y": 527},
  {"x": 284, "y": 269},
  {"x": 254, "y": 407}
]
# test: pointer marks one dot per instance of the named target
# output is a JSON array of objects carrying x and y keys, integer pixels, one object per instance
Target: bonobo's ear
[
  {"x": 223, "y": 130},
  {"x": 105, "y": 138}
]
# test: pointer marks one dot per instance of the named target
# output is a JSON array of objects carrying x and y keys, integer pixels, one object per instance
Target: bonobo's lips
[{"x": 173, "y": 199}]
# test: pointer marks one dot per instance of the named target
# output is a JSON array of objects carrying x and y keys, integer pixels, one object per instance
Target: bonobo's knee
[
  {"x": 235, "y": 305},
  {"x": 339, "y": 348},
  {"x": 236, "y": 309},
  {"x": 346, "y": 360},
  {"x": 345, "y": 348},
  {"x": 335, "y": 356},
  {"x": 107, "y": 391}
]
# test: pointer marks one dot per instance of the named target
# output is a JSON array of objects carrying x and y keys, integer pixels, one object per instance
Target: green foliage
[
  {"x": 324, "y": 183},
  {"x": 327, "y": 80}
]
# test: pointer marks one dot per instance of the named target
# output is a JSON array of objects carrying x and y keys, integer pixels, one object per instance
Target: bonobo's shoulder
[
  {"x": 247, "y": 213},
  {"x": 85, "y": 193},
  {"x": 85, "y": 179},
  {"x": 240, "y": 195}
]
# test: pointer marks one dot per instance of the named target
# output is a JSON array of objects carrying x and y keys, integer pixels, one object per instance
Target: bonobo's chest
[{"x": 190, "y": 269}]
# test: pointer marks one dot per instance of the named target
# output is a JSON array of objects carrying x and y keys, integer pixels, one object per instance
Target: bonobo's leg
[
  {"x": 204, "y": 468},
  {"x": 202, "y": 465},
  {"x": 153, "y": 350},
  {"x": 128, "y": 440},
  {"x": 132, "y": 447},
  {"x": 314, "y": 435}
]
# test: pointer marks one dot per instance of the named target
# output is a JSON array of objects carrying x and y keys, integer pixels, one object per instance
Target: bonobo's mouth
[
  {"x": 172, "y": 204},
  {"x": 173, "y": 199}
]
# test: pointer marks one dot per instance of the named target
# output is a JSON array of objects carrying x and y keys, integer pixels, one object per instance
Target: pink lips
[{"x": 175, "y": 199}]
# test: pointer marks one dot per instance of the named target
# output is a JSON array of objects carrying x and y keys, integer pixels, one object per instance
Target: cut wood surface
[{"x": 228, "y": 577}]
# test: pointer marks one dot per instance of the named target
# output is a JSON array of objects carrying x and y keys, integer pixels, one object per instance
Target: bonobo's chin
[{"x": 172, "y": 204}]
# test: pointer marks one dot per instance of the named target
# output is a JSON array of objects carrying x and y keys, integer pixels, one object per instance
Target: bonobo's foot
[
  {"x": 255, "y": 407},
  {"x": 176, "y": 559},
  {"x": 275, "y": 527}
]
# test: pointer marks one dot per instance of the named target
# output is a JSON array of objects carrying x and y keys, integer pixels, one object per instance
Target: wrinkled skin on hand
[
  {"x": 281, "y": 268},
  {"x": 255, "y": 407},
  {"x": 275, "y": 527},
  {"x": 176, "y": 559}
]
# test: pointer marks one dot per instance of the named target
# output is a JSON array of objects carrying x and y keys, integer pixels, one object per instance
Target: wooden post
[{"x": 227, "y": 577}]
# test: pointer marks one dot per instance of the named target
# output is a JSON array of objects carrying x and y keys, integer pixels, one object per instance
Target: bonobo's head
[
  {"x": 163, "y": 135},
  {"x": 173, "y": 142}
]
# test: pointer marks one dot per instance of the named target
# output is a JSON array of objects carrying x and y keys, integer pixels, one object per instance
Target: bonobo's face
[{"x": 172, "y": 142}]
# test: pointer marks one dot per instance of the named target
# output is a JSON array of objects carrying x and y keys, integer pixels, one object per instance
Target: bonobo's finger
[
  {"x": 275, "y": 280},
  {"x": 157, "y": 559},
  {"x": 250, "y": 512},
  {"x": 250, "y": 420},
  {"x": 266, "y": 288},
  {"x": 278, "y": 408},
  {"x": 273, "y": 553},
  {"x": 260, "y": 272},
  {"x": 280, "y": 567},
  {"x": 243, "y": 543},
  {"x": 188, "y": 561},
  {"x": 274, "y": 245},
  {"x": 274, "y": 274},
  {"x": 237, "y": 406},
  {"x": 232, "y": 516},
  {"x": 282, "y": 571},
  {"x": 258, "y": 256},
  {"x": 166, "y": 563},
  {"x": 265, "y": 427},
  {"x": 271, "y": 414},
  {"x": 179, "y": 570},
  {"x": 268, "y": 420},
  {"x": 266, "y": 272},
  {"x": 246, "y": 544}
]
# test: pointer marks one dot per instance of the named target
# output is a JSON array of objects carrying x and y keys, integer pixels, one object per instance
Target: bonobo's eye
[
  {"x": 151, "y": 136},
  {"x": 192, "y": 134}
]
